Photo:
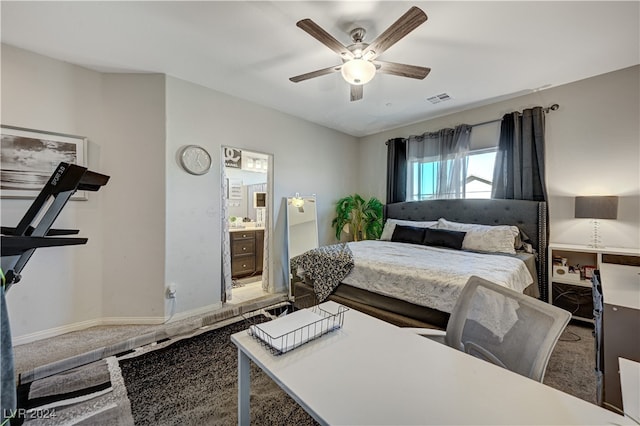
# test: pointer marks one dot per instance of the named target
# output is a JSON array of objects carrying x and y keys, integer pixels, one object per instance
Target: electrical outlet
[{"x": 171, "y": 291}]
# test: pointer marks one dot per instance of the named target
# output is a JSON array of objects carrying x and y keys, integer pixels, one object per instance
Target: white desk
[
  {"x": 630, "y": 382},
  {"x": 621, "y": 285},
  {"x": 373, "y": 373}
]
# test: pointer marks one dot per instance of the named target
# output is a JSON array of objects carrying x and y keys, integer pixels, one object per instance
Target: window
[
  {"x": 480, "y": 173},
  {"x": 423, "y": 176}
]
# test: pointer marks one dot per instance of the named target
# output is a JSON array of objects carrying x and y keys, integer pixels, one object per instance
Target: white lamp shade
[{"x": 358, "y": 71}]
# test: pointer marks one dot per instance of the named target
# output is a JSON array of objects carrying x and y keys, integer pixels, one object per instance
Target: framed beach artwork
[{"x": 29, "y": 157}]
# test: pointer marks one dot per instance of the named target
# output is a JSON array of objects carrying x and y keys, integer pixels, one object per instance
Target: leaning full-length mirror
[{"x": 302, "y": 226}]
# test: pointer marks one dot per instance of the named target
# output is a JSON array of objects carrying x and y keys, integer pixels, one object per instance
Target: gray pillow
[{"x": 484, "y": 238}]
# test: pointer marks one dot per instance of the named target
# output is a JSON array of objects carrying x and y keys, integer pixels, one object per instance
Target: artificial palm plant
[{"x": 362, "y": 219}]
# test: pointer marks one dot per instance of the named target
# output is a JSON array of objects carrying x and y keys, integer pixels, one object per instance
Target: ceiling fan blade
[
  {"x": 315, "y": 31},
  {"x": 403, "y": 26},
  {"x": 356, "y": 92},
  {"x": 317, "y": 73},
  {"x": 402, "y": 70}
]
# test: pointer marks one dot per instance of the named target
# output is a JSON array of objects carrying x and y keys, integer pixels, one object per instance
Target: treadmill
[{"x": 18, "y": 244}]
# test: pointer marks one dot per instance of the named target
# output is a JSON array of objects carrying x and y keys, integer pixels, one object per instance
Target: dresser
[{"x": 247, "y": 246}]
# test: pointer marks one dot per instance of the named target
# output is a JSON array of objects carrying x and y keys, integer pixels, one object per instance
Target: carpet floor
[
  {"x": 192, "y": 380},
  {"x": 572, "y": 365}
]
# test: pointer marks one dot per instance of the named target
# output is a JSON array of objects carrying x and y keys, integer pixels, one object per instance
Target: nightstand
[{"x": 570, "y": 288}]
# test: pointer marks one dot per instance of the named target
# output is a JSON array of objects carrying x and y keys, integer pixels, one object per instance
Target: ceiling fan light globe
[{"x": 358, "y": 71}]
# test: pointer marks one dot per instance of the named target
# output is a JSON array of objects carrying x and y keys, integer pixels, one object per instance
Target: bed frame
[{"x": 529, "y": 216}]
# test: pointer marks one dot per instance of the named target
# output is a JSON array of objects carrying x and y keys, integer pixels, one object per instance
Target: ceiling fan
[{"x": 359, "y": 64}]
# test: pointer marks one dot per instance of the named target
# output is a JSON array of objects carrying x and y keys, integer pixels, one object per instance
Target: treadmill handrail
[{"x": 63, "y": 183}]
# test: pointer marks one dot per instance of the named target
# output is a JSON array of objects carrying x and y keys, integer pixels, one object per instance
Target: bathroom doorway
[{"x": 247, "y": 203}]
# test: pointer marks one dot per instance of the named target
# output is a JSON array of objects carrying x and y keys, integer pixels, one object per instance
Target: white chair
[{"x": 504, "y": 327}]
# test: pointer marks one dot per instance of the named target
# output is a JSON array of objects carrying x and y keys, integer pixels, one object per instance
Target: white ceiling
[{"x": 479, "y": 52}]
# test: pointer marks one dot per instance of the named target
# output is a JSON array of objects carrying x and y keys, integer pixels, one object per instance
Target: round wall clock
[{"x": 195, "y": 159}]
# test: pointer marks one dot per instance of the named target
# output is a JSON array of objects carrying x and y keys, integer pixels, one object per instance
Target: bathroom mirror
[{"x": 302, "y": 226}]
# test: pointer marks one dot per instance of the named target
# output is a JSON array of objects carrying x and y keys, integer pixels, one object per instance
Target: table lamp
[{"x": 595, "y": 208}]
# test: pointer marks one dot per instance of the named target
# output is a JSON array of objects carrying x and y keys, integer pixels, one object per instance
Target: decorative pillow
[
  {"x": 408, "y": 234},
  {"x": 390, "y": 225},
  {"x": 485, "y": 238},
  {"x": 523, "y": 242},
  {"x": 443, "y": 238}
]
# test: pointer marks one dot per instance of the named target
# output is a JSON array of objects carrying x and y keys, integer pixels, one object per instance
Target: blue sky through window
[{"x": 423, "y": 180}]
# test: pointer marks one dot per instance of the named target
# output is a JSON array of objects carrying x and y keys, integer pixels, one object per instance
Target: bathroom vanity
[{"x": 247, "y": 247}]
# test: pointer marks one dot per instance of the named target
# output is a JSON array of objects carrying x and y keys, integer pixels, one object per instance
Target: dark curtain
[
  {"x": 519, "y": 168},
  {"x": 396, "y": 170}
]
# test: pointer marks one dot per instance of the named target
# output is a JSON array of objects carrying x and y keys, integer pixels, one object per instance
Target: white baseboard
[
  {"x": 131, "y": 320},
  {"x": 57, "y": 331},
  {"x": 52, "y": 332},
  {"x": 193, "y": 312}
]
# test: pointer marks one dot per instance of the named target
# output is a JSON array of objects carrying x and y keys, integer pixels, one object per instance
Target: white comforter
[{"x": 428, "y": 276}]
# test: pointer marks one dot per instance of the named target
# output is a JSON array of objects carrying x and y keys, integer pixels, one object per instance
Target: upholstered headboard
[{"x": 529, "y": 216}]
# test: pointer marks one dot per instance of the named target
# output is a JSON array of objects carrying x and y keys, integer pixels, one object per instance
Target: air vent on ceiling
[{"x": 439, "y": 98}]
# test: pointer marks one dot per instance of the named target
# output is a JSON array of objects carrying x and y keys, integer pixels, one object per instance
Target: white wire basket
[{"x": 293, "y": 330}]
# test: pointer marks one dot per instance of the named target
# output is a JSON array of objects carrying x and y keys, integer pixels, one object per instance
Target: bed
[{"x": 390, "y": 286}]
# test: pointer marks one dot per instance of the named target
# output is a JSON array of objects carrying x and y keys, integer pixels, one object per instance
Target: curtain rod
[
  {"x": 553, "y": 107},
  {"x": 546, "y": 110}
]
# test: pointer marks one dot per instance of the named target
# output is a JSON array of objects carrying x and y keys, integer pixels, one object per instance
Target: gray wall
[
  {"x": 592, "y": 149},
  {"x": 59, "y": 286},
  {"x": 153, "y": 224},
  {"x": 133, "y": 223},
  {"x": 302, "y": 154},
  {"x": 115, "y": 276}
]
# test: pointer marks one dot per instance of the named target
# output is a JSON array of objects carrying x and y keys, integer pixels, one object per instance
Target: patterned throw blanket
[{"x": 325, "y": 266}]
